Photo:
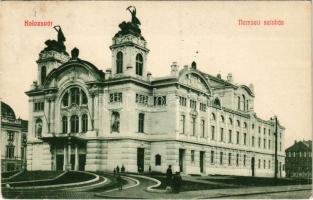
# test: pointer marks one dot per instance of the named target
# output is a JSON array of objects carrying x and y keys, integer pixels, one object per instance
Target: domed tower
[
  {"x": 129, "y": 51},
  {"x": 52, "y": 56}
]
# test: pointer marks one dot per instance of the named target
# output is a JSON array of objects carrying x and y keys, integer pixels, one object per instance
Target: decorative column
[
  {"x": 69, "y": 164},
  {"x": 76, "y": 158},
  {"x": 65, "y": 158}
]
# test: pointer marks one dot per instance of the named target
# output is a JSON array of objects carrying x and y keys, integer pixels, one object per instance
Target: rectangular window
[
  {"x": 183, "y": 101},
  {"x": 221, "y": 158},
  {"x": 230, "y": 136},
  {"x": 193, "y": 126},
  {"x": 245, "y": 139},
  {"x": 116, "y": 97},
  {"x": 142, "y": 99},
  {"x": 213, "y": 132},
  {"x": 264, "y": 143},
  {"x": 10, "y": 136},
  {"x": 160, "y": 101},
  {"x": 222, "y": 135},
  {"x": 280, "y": 146},
  {"x": 212, "y": 157},
  {"x": 203, "y": 107},
  {"x": 10, "y": 151},
  {"x": 259, "y": 129},
  {"x": 259, "y": 163},
  {"x": 264, "y": 130},
  {"x": 193, "y": 104},
  {"x": 238, "y": 137},
  {"x": 202, "y": 128},
  {"x": 192, "y": 155},
  {"x": 253, "y": 141},
  {"x": 264, "y": 163},
  {"x": 182, "y": 124},
  {"x": 259, "y": 143},
  {"x": 229, "y": 158},
  {"x": 22, "y": 153},
  {"x": 141, "y": 122},
  {"x": 244, "y": 160},
  {"x": 38, "y": 106}
]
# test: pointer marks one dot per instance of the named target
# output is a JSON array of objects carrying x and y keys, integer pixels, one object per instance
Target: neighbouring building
[
  {"x": 83, "y": 118},
  {"x": 13, "y": 140},
  {"x": 299, "y": 160}
]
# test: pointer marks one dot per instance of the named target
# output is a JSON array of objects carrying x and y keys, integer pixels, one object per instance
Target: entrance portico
[{"x": 68, "y": 152}]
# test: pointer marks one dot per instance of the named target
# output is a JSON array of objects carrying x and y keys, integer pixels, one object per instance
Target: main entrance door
[
  {"x": 202, "y": 153},
  {"x": 181, "y": 159},
  {"x": 82, "y": 162},
  {"x": 252, "y": 165},
  {"x": 60, "y": 162},
  {"x": 140, "y": 159}
]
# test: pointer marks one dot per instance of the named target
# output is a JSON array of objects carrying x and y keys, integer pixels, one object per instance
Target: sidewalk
[{"x": 140, "y": 192}]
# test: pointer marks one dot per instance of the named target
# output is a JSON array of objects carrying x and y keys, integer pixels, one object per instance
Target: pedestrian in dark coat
[
  {"x": 169, "y": 175},
  {"x": 119, "y": 182},
  {"x": 117, "y": 169},
  {"x": 114, "y": 172},
  {"x": 123, "y": 170},
  {"x": 177, "y": 181}
]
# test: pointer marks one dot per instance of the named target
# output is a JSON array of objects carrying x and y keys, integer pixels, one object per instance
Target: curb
[
  {"x": 89, "y": 187},
  {"x": 152, "y": 188},
  {"x": 60, "y": 185},
  {"x": 248, "y": 194},
  {"x": 14, "y": 175}
]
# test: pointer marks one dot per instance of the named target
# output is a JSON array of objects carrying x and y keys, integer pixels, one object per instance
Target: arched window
[
  {"x": 65, "y": 100},
  {"x": 245, "y": 125},
  {"x": 74, "y": 95},
  {"x": 38, "y": 128},
  {"x": 115, "y": 122},
  {"x": 157, "y": 160},
  {"x": 213, "y": 117},
  {"x": 238, "y": 123},
  {"x": 74, "y": 124},
  {"x": 84, "y": 123},
  {"x": 217, "y": 102},
  {"x": 244, "y": 102},
  {"x": 230, "y": 121},
  {"x": 247, "y": 105},
  {"x": 119, "y": 62},
  {"x": 43, "y": 74},
  {"x": 222, "y": 119},
  {"x": 139, "y": 64},
  {"x": 64, "y": 124},
  {"x": 141, "y": 122}
]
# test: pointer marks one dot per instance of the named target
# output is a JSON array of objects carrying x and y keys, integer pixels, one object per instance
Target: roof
[
  {"x": 300, "y": 146},
  {"x": 7, "y": 112}
]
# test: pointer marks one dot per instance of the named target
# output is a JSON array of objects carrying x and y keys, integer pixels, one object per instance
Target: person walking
[
  {"x": 114, "y": 171},
  {"x": 123, "y": 170},
  {"x": 117, "y": 169},
  {"x": 169, "y": 176}
]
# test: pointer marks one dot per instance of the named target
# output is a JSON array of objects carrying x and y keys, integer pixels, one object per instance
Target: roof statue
[
  {"x": 131, "y": 27},
  {"x": 59, "y": 44}
]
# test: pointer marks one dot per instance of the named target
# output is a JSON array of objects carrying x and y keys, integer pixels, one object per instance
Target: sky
[{"x": 275, "y": 59}]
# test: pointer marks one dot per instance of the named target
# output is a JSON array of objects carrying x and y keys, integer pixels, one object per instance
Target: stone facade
[
  {"x": 95, "y": 120},
  {"x": 13, "y": 140}
]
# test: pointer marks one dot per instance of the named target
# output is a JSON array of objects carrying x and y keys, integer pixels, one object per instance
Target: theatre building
[{"x": 83, "y": 118}]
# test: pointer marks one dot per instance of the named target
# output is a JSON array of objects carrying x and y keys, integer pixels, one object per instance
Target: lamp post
[{"x": 275, "y": 134}]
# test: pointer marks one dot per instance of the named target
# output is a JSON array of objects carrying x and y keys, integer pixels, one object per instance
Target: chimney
[
  {"x": 230, "y": 77},
  {"x": 194, "y": 65},
  {"x": 109, "y": 73},
  {"x": 149, "y": 76},
  {"x": 174, "y": 69}
]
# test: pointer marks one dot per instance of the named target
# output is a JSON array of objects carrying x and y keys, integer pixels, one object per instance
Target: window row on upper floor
[{"x": 303, "y": 154}]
